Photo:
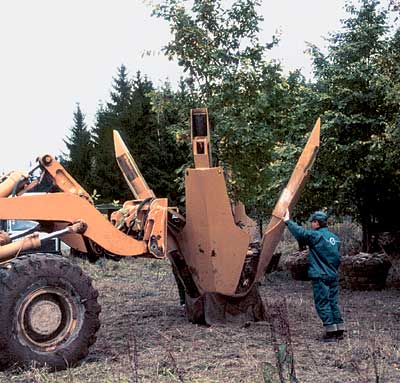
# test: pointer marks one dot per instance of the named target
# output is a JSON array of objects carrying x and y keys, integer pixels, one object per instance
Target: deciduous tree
[
  {"x": 358, "y": 90},
  {"x": 249, "y": 99}
]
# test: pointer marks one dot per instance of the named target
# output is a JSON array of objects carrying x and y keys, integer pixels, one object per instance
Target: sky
[{"x": 56, "y": 53}]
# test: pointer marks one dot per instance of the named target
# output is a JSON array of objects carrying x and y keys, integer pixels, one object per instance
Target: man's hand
[{"x": 286, "y": 217}]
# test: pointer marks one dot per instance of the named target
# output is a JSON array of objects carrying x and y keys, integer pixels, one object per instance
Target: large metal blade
[
  {"x": 213, "y": 246},
  {"x": 129, "y": 169},
  {"x": 288, "y": 199}
]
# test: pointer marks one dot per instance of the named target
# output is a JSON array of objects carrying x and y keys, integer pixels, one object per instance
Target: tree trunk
[{"x": 370, "y": 235}]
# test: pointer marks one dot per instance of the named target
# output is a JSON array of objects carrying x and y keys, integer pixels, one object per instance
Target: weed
[
  {"x": 282, "y": 343},
  {"x": 133, "y": 355}
]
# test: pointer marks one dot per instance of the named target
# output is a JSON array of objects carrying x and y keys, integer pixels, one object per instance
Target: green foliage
[
  {"x": 358, "y": 90},
  {"x": 106, "y": 177},
  {"x": 215, "y": 45},
  {"x": 143, "y": 129},
  {"x": 261, "y": 118},
  {"x": 171, "y": 109},
  {"x": 270, "y": 374},
  {"x": 78, "y": 161},
  {"x": 251, "y": 103}
]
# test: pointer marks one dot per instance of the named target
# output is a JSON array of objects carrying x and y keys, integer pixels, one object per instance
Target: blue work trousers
[{"x": 326, "y": 293}]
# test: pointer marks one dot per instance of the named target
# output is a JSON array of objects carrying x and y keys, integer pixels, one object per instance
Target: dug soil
[{"x": 145, "y": 336}]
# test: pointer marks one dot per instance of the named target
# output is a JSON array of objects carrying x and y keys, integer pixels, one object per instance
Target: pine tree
[
  {"x": 107, "y": 178},
  {"x": 151, "y": 144},
  {"x": 78, "y": 160}
]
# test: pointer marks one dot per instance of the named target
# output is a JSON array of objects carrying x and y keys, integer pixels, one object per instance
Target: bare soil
[{"x": 145, "y": 336}]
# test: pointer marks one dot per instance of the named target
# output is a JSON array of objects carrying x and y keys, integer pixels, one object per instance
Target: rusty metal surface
[
  {"x": 130, "y": 170},
  {"x": 288, "y": 199},
  {"x": 212, "y": 245},
  {"x": 47, "y": 317}
]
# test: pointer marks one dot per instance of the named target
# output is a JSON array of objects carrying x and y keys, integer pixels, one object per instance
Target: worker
[{"x": 323, "y": 263}]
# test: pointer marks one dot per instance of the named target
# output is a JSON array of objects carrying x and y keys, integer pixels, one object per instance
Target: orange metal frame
[{"x": 57, "y": 210}]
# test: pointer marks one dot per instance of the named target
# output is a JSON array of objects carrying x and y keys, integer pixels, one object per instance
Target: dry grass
[{"x": 145, "y": 337}]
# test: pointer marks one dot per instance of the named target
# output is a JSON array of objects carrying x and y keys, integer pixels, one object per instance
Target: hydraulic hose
[{"x": 10, "y": 183}]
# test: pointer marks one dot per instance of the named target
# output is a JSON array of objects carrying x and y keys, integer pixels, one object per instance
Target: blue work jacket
[{"x": 323, "y": 256}]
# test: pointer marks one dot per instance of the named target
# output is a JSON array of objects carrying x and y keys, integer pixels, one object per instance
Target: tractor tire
[{"x": 49, "y": 313}]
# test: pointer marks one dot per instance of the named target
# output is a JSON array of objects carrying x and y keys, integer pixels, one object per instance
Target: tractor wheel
[{"x": 49, "y": 313}]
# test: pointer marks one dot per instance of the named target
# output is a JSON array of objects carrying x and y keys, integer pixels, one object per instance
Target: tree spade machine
[{"x": 49, "y": 312}]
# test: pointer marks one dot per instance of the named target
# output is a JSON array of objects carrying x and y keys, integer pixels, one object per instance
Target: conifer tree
[
  {"x": 107, "y": 178},
  {"x": 146, "y": 134},
  {"x": 78, "y": 160},
  {"x": 151, "y": 143}
]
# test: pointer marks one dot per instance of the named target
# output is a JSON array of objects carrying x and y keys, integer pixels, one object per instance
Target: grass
[{"x": 145, "y": 337}]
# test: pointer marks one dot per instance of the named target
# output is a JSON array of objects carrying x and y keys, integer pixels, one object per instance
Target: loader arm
[
  {"x": 61, "y": 178},
  {"x": 65, "y": 207},
  {"x": 57, "y": 210}
]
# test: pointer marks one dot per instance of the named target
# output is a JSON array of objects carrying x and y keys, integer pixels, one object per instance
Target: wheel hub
[
  {"x": 47, "y": 317},
  {"x": 44, "y": 317}
]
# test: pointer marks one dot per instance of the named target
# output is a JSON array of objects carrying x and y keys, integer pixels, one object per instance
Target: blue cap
[{"x": 318, "y": 216}]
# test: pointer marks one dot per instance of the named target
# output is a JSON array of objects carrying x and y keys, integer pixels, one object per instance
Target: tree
[
  {"x": 170, "y": 109},
  {"x": 151, "y": 144},
  {"x": 107, "y": 178},
  {"x": 150, "y": 141},
  {"x": 358, "y": 90},
  {"x": 78, "y": 160},
  {"x": 247, "y": 95}
]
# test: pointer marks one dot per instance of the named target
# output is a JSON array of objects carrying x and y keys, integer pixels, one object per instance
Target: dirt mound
[
  {"x": 366, "y": 271},
  {"x": 297, "y": 265},
  {"x": 390, "y": 243}
]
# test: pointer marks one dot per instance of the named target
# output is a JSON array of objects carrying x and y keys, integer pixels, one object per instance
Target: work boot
[
  {"x": 339, "y": 334},
  {"x": 340, "y": 331},
  {"x": 329, "y": 337},
  {"x": 330, "y": 333}
]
